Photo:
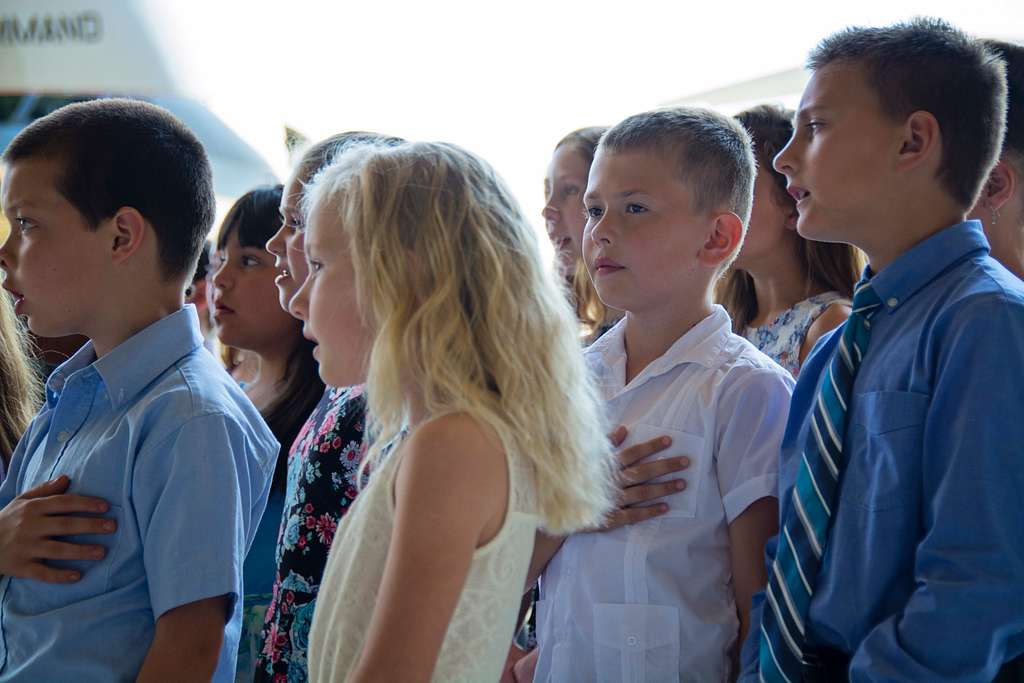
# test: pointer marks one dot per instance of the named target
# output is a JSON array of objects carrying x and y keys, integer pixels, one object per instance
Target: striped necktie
[{"x": 806, "y": 519}]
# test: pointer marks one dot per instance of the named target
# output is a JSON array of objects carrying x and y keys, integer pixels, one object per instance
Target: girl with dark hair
[
  {"x": 784, "y": 292},
  {"x": 286, "y": 384}
]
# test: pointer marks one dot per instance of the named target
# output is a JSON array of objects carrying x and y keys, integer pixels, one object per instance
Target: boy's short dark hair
[
  {"x": 712, "y": 153},
  {"x": 1013, "y": 56},
  {"x": 928, "y": 65},
  {"x": 117, "y": 153}
]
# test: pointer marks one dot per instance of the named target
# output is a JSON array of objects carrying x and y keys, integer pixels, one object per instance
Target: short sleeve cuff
[
  {"x": 749, "y": 492},
  {"x": 192, "y": 588}
]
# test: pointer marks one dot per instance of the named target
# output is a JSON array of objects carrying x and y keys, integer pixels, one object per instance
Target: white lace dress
[{"x": 481, "y": 630}]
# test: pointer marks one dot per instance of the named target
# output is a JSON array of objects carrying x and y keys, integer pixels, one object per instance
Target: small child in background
[
  {"x": 564, "y": 217},
  {"x": 427, "y": 281},
  {"x": 783, "y": 292}
]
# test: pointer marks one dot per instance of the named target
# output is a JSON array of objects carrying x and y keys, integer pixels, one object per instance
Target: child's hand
[
  {"x": 634, "y": 478},
  {"x": 30, "y": 522},
  {"x": 515, "y": 654},
  {"x": 524, "y": 668}
]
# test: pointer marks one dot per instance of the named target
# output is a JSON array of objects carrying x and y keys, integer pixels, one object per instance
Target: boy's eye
[
  {"x": 24, "y": 224},
  {"x": 571, "y": 191},
  {"x": 250, "y": 261},
  {"x": 635, "y": 208},
  {"x": 314, "y": 266}
]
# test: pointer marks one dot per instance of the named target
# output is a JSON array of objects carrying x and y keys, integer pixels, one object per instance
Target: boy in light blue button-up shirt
[{"x": 133, "y": 497}]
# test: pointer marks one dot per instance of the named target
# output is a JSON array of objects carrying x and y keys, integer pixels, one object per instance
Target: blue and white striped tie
[{"x": 807, "y": 518}]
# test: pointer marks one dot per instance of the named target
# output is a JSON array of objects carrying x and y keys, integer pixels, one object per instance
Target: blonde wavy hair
[
  {"x": 450, "y": 275},
  {"x": 20, "y": 387}
]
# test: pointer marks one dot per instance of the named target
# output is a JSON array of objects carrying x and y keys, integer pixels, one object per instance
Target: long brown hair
[
  {"x": 828, "y": 267},
  {"x": 20, "y": 388},
  {"x": 590, "y": 310}
]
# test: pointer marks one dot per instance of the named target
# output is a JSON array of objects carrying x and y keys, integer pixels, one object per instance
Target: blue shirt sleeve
[
  {"x": 965, "y": 612},
  {"x": 198, "y": 496}
]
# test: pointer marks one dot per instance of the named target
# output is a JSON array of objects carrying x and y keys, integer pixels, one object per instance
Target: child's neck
[
  {"x": 131, "y": 317},
  {"x": 649, "y": 334},
  {"x": 897, "y": 232},
  {"x": 780, "y": 282},
  {"x": 273, "y": 364}
]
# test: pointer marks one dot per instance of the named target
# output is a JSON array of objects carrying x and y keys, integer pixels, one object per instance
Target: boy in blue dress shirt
[
  {"x": 133, "y": 497},
  {"x": 900, "y": 555}
]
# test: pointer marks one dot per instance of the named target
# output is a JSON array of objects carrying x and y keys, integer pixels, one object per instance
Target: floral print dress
[
  {"x": 323, "y": 471},
  {"x": 782, "y": 339}
]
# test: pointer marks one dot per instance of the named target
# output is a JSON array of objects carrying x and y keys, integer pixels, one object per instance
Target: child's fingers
[
  {"x": 49, "y": 488},
  {"x": 59, "y": 550},
  {"x": 617, "y": 436},
  {"x": 637, "y": 452},
  {"x": 632, "y": 515},
  {"x": 644, "y": 472},
  {"x": 63, "y": 504},
  {"x": 67, "y": 525},
  {"x": 648, "y": 492},
  {"x": 40, "y": 572}
]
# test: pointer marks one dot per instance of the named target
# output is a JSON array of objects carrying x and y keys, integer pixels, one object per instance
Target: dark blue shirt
[{"x": 923, "y": 575}]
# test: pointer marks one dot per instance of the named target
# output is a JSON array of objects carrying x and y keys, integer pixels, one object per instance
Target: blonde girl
[
  {"x": 784, "y": 292},
  {"x": 427, "y": 282},
  {"x": 20, "y": 388}
]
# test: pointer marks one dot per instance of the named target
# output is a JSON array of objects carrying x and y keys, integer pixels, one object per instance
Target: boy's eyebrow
[{"x": 805, "y": 113}]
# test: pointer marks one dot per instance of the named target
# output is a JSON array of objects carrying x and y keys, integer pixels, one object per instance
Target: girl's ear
[{"x": 1000, "y": 186}]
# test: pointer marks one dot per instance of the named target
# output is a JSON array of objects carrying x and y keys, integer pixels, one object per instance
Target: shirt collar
[
  {"x": 924, "y": 262},
  {"x": 701, "y": 345},
  {"x": 134, "y": 363}
]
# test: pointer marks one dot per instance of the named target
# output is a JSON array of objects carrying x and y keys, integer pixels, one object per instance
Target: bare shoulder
[
  {"x": 831, "y": 318},
  {"x": 456, "y": 451}
]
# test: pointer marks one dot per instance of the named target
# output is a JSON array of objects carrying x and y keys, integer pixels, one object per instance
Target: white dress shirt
[{"x": 654, "y": 601}]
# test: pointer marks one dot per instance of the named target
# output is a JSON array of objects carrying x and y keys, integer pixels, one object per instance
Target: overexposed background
[{"x": 505, "y": 80}]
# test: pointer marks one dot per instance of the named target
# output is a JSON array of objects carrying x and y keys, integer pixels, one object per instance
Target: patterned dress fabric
[
  {"x": 323, "y": 471},
  {"x": 782, "y": 338}
]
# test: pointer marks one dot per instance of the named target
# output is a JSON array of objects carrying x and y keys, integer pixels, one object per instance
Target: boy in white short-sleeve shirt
[{"x": 668, "y": 599}]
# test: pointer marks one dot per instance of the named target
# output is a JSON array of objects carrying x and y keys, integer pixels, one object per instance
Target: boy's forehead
[
  {"x": 631, "y": 170},
  {"x": 836, "y": 86},
  {"x": 30, "y": 182}
]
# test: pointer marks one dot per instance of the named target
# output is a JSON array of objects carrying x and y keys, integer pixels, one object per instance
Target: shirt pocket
[
  {"x": 889, "y": 429},
  {"x": 636, "y": 643},
  {"x": 684, "y": 503}
]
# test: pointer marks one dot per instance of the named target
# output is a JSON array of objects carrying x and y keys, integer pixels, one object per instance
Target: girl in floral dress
[
  {"x": 784, "y": 292},
  {"x": 324, "y": 460}
]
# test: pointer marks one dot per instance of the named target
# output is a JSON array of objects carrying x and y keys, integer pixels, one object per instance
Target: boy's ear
[
  {"x": 723, "y": 241},
  {"x": 127, "y": 232},
  {"x": 922, "y": 141},
  {"x": 999, "y": 188}
]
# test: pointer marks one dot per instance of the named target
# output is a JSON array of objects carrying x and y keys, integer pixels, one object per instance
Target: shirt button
[
  {"x": 62, "y": 437},
  {"x": 893, "y": 302},
  {"x": 632, "y": 641}
]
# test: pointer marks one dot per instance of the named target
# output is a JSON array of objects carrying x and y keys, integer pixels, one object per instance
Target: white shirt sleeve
[{"x": 751, "y": 416}]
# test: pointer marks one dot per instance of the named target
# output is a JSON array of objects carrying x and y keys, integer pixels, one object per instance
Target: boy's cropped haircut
[
  {"x": 928, "y": 65},
  {"x": 1013, "y": 56},
  {"x": 125, "y": 153},
  {"x": 712, "y": 152}
]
